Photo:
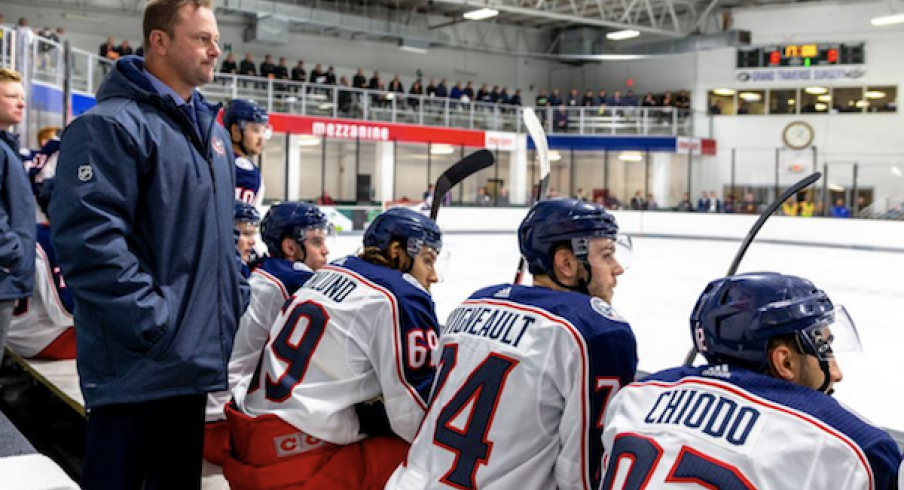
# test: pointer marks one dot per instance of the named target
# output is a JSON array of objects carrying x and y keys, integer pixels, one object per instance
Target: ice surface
[{"x": 657, "y": 294}]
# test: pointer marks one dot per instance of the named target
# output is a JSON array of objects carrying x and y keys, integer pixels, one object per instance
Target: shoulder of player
[
  {"x": 243, "y": 163},
  {"x": 401, "y": 287}
]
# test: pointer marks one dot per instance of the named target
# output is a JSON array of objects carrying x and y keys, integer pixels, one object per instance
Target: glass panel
[
  {"x": 588, "y": 175},
  {"x": 616, "y": 192},
  {"x": 311, "y": 149},
  {"x": 815, "y": 100},
  {"x": 273, "y": 168},
  {"x": 411, "y": 170},
  {"x": 783, "y": 101},
  {"x": 882, "y": 98},
  {"x": 848, "y": 100},
  {"x": 635, "y": 184},
  {"x": 560, "y": 173},
  {"x": 367, "y": 179},
  {"x": 751, "y": 102}
]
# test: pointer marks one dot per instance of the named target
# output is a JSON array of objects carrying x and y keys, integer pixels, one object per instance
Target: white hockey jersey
[
  {"x": 38, "y": 320},
  {"x": 524, "y": 374},
  {"x": 272, "y": 283},
  {"x": 733, "y": 429},
  {"x": 353, "y": 332}
]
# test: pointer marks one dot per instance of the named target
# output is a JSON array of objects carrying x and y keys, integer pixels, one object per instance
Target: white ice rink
[{"x": 657, "y": 294}]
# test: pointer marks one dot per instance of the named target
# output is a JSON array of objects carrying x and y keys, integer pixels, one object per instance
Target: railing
[
  {"x": 313, "y": 99},
  {"x": 7, "y": 47},
  {"x": 885, "y": 207},
  {"x": 88, "y": 69}
]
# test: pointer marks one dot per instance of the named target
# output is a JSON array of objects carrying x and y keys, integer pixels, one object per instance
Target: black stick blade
[{"x": 469, "y": 165}]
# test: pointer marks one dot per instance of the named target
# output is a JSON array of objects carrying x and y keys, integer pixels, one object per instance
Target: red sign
[{"x": 374, "y": 130}]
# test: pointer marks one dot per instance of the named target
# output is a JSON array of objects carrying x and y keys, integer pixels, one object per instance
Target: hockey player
[
  {"x": 42, "y": 325},
  {"x": 758, "y": 416},
  {"x": 524, "y": 373},
  {"x": 246, "y": 221},
  {"x": 247, "y": 125},
  {"x": 357, "y": 337},
  {"x": 295, "y": 235}
]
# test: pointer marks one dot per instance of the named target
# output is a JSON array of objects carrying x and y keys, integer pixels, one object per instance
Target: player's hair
[
  {"x": 163, "y": 15},
  {"x": 10, "y": 75},
  {"x": 48, "y": 132},
  {"x": 378, "y": 257}
]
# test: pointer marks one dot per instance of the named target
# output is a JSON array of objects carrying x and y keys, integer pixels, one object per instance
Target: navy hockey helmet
[
  {"x": 240, "y": 111},
  {"x": 412, "y": 228},
  {"x": 736, "y": 316},
  {"x": 553, "y": 221},
  {"x": 246, "y": 213},
  {"x": 290, "y": 220}
]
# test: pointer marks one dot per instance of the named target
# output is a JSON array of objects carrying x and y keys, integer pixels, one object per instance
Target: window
[
  {"x": 815, "y": 100},
  {"x": 882, "y": 99},
  {"x": 783, "y": 101},
  {"x": 848, "y": 100},
  {"x": 751, "y": 102},
  {"x": 721, "y": 101}
]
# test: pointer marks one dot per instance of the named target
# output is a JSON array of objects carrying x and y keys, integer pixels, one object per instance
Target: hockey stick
[
  {"x": 453, "y": 175},
  {"x": 777, "y": 203},
  {"x": 535, "y": 129}
]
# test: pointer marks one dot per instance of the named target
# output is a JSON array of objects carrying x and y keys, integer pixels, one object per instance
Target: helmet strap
[
  {"x": 826, "y": 376},
  {"x": 582, "y": 286},
  {"x": 241, "y": 142}
]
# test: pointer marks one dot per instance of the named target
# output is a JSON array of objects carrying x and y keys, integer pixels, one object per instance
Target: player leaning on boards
[
  {"x": 758, "y": 415},
  {"x": 524, "y": 373},
  {"x": 295, "y": 234},
  {"x": 247, "y": 125},
  {"x": 143, "y": 225},
  {"x": 360, "y": 328},
  {"x": 17, "y": 209}
]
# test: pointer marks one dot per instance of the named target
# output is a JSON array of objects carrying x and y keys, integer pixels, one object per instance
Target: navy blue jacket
[
  {"x": 142, "y": 215},
  {"x": 17, "y": 223}
]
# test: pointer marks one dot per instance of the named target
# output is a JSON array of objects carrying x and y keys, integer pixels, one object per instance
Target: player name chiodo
[{"x": 504, "y": 326}]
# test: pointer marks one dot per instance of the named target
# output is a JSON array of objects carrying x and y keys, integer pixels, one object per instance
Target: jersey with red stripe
[
  {"x": 524, "y": 375},
  {"x": 729, "y": 428},
  {"x": 272, "y": 282},
  {"x": 355, "y": 331},
  {"x": 38, "y": 321},
  {"x": 249, "y": 183}
]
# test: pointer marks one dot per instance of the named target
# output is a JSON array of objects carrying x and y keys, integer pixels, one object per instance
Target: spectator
[
  {"x": 229, "y": 65},
  {"x": 685, "y": 205},
  {"x": 649, "y": 100},
  {"x": 630, "y": 99},
  {"x": 246, "y": 67},
  {"x": 483, "y": 199},
  {"x": 542, "y": 100},
  {"x": 395, "y": 85},
  {"x": 668, "y": 105},
  {"x": 483, "y": 94},
  {"x": 344, "y": 97},
  {"x": 109, "y": 50},
  {"x": 560, "y": 119},
  {"x": 431, "y": 89},
  {"x": 839, "y": 210},
  {"x": 588, "y": 100},
  {"x": 651, "y": 204},
  {"x": 125, "y": 49},
  {"x": 743, "y": 108},
  {"x": 715, "y": 109},
  {"x": 17, "y": 209},
  {"x": 616, "y": 100},
  {"x": 637, "y": 202},
  {"x": 729, "y": 207},
  {"x": 862, "y": 209},
  {"x": 790, "y": 207},
  {"x": 281, "y": 72},
  {"x": 299, "y": 75},
  {"x": 325, "y": 199},
  {"x": 503, "y": 96},
  {"x": 415, "y": 94},
  {"x": 502, "y": 197},
  {"x": 494, "y": 94},
  {"x": 318, "y": 76},
  {"x": 373, "y": 83},
  {"x": 749, "y": 204},
  {"x": 806, "y": 208},
  {"x": 441, "y": 90},
  {"x": 267, "y": 67},
  {"x": 683, "y": 101},
  {"x": 573, "y": 99},
  {"x": 555, "y": 98},
  {"x": 145, "y": 384},
  {"x": 602, "y": 99},
  {"x": 359, "y": 80},
  {"x": 330, "y": 77},
  {"x": 468, "y": 91},
  {"x": 580, "y": 194},
  {"x": 715, "y": 205},
  {"x": 455, "y": 93},
  {"x": 515, "y": 99},
  {"x": 552, "y": 193}
]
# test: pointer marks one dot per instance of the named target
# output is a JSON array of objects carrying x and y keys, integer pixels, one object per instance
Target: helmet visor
[
  {"x": 604, "y": 252},
  {"x": 836, "y": 334}
]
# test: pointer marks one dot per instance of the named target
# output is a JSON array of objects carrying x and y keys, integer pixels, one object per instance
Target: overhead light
[
  {"x": 724, "y": 91},
  {"x": 481, "y": 14},
  {"x": 325, "y": 107},
  {"x": 413, "y": 49},
  {"x": 308, "y": 140},
  {"x": 861, "y": 104},
  {"x": 820, "y": 106},
  {"x": 630, "y": 156},
  {"x": 836, "y": 188},
  {"x": 622, "y": 35},
  {"x": 816, "y": 90},
  {"x": 750, "y": 96},
  {"x": 291, "y": 99},
  {"x": 896, "y": 171},
  {"x": 824, "y": 98},
  {"x": 86, "y": 18},
  {"x": 442, "y": 149},
  {"x": 887, "y": 20},
  {"x": 792, "y": 102},
  {"x": 554, "y": 156},
  {"x": 875, "y": 94}
]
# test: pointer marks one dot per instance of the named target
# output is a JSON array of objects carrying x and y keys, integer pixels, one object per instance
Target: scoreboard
[{"x": 801, "y": 55}]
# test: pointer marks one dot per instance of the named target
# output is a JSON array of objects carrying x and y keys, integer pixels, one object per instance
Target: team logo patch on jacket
[
  {"x": 85, "y": 173},
  {"x": 217, "y": 145},
  {"x": 244, "y": 164},
  {"x": 600, "y": 306}
]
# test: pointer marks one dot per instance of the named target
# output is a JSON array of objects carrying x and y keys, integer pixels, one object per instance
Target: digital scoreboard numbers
[{"x": 801, "y": 55}]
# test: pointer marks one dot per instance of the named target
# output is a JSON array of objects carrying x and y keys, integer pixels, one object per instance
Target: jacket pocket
[{"x": 161, "y": 347}]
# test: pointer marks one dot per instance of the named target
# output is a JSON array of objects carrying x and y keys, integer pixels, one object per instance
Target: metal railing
[{"x": 313, "y": 99}]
